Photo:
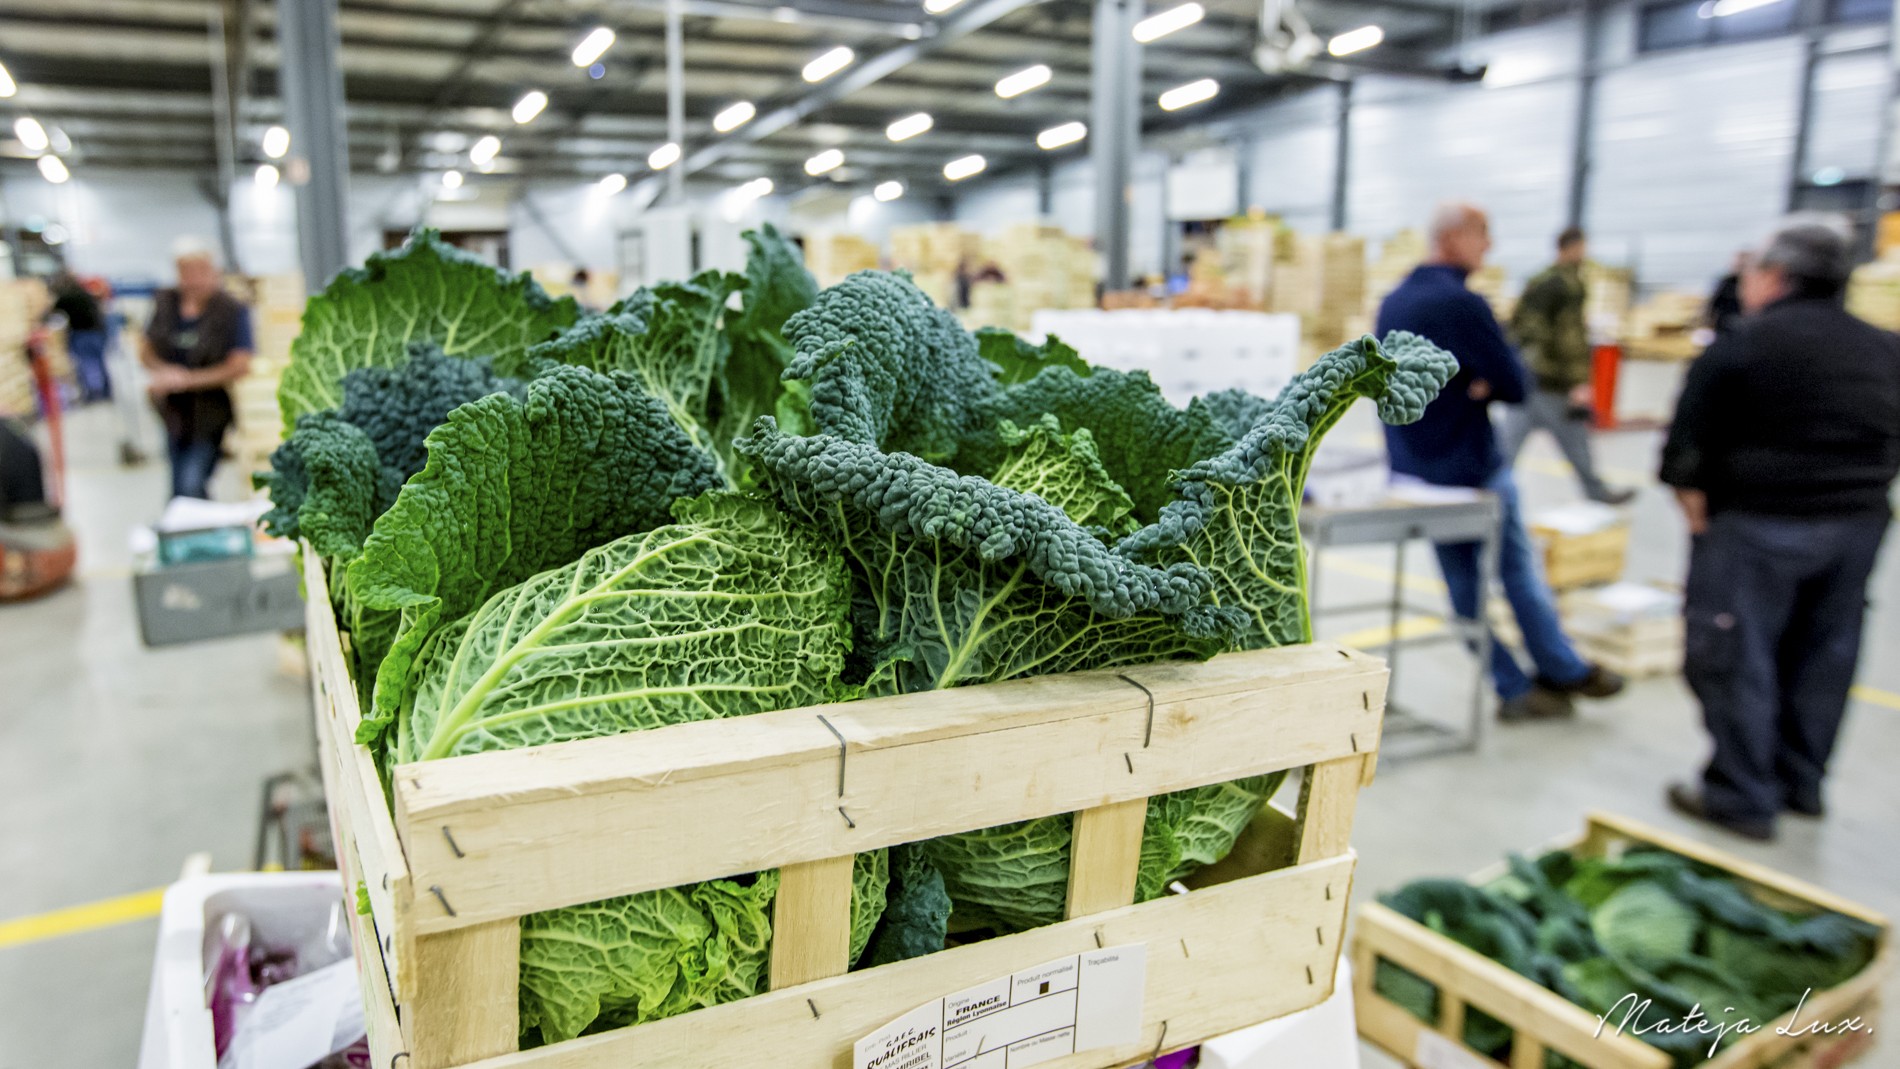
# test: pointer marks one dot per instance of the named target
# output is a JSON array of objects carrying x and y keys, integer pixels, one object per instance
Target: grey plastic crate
[{"x": 217, "y": 599}]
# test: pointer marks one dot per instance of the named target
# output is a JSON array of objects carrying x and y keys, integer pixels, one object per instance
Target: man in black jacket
[{"x": 1785, "y": 442}]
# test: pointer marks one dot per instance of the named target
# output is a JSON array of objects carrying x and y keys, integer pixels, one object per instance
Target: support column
[
  {"x": 1114, "y": 131},
  {"x": 312, "y": 86},
  {"x": 1342, "y": 155},
  {"x": 1580, "y": 151},
  {"x": 1804, "y": 118},
  {"x": 1045, "y": 190},
  {"x": 675, "y": 99}
]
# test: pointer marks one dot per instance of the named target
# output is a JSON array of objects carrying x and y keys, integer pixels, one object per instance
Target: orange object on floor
[{"x": 1604, "y": 362}]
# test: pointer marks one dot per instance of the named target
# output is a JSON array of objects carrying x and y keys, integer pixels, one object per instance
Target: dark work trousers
[{"x": 1773, "y": 608}]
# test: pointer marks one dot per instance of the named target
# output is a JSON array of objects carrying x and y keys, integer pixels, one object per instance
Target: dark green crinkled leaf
[
  {"x": 1017, "y": 360},
  {"x": 425, "y": 291},
  {"x": 751, "y": 384},
  {"x": 917, "y": 914},
  {"x": 1066, "y": 471}
]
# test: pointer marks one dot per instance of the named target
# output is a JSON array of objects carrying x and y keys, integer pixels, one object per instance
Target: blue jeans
[
  {"x": 1773, "y": 610},
  {"x": 1522, "y": 577},
  {"x": 88, "y": 349},
  {"x": 192, "y": 464}
]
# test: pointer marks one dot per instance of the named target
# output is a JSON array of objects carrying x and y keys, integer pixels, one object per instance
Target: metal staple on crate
[
  {"x": 436, "y": 890},
  {"x": 1159, "y": 1042},
  {"x": 844, "y": 754},
  {"x": 458, "y": 850},
  {"x": 1147, "y": 735},
  {"x": 814, "y": 1008},
  {"x": 395, "y": 1056}
]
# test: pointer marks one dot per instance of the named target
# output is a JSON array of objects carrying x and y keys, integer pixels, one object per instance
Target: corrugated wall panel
[
  {"x": 1844, "y": 130},
  {"x": 1504, "y": 143},
  {"x": 1692, "y": 158},
  {"x": 1290, "y": 168}
]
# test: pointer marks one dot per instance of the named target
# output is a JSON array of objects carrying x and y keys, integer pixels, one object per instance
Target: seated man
[{"x": 1453, "y": 445}]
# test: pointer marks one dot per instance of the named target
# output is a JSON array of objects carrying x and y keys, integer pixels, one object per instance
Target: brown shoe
[
  {"x": 1688, "y": 801},
  {"x": 1538, "y": 703},
  {"x": 1599, "y": 683}
]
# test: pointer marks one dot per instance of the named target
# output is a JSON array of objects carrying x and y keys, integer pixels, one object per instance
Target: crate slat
[
  {"x": 530, "y": 824},
  {"x": 1218, "y": 959},
  {"x": 470, "y": 1008},
  {"x": 811, "y": 922},
  {"x": 1105, "y": 857},
  {"x": 357, "y": 789}
]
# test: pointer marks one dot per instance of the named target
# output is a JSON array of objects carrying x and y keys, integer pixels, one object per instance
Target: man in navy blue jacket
[{"x": 1453, "y": 445}]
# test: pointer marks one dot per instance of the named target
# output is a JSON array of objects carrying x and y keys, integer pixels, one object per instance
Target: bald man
[
  {"x": 1453, "y": 445},
  {"x": 197, "y": 344}
]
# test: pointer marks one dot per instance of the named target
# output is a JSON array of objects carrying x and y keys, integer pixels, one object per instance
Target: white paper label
[
  {"x": 300, "y": 1021},
  {"x": 1435, "y": 1051},
  {"x": 1077, "y": 1003}
]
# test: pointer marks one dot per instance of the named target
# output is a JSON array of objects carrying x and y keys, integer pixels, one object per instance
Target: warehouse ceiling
[{"x": 133, "y": 83}]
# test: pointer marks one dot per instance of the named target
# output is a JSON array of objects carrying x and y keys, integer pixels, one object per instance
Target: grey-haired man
[{"x": 1785, "y": 442}]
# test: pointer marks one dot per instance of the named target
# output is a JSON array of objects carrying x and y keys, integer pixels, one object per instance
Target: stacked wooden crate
[
  {"x": 1633, "y": 629},
  {"x": 1322, "y": 279},
  {"x": 1043, "y": 267},
  {"x": 20, "y": 305},
  {"x": 1247, "y": 250},
  {"x": 472, "y": 844},
  {"x": 1873, "y": 293},
  {"x": 830, "y": 257},
  {"x": 1662, "y": 327},
  {"x": 1607, "y": 296},
  {"x": 932, "y": 253},
  {"x": 276, "y": 317}
]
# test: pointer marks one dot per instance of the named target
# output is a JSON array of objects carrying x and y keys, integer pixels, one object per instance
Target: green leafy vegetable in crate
[
  {"x": 1649, "y": 923},
  {"x": 915, "y": 508}
]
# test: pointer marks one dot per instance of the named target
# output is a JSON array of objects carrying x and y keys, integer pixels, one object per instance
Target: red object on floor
[
  {"x": 1604, "y": 361},
  {"x": 50, "y": 412}
]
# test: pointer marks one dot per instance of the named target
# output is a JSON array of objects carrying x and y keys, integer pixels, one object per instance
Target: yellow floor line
[
  {"x": 1374, "y": 637},
  {"x": 1876, "y": 696},
  {"x": 1381, "y": 572},
  {"x": 90, "y": 916}
]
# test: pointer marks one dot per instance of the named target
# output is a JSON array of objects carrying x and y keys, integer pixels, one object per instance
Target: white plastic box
[
  {"x": 1187, "y": 351},
  {"x": 285, "y": 908}
]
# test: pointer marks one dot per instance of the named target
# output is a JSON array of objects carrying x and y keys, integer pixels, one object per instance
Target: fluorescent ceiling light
[
  {"x": 62, "y": 145},
  {"x": 938, "y": 7},
  {"x": 1057, "y": 136},
  {"x": 663, "y": 157},
  {"x": 1722, "y": 9},
  {"x": 530, "y": 105},
  {"x": 734, "y": 116},
  {"x": 963, "y": 167},
  {"x": 451, "y": 179},
  {"x": 612, "y": 184},
  {"x": 593, "y": 46},
  {"x": 266, "y": 176},
  {"x": 909, "y": 126},
  {"x": 1023, "y": 81},
  {"x": 754, "y": 189},
  {"x": 30, "y": 133},
  {"x": 485, "y": 150},
  {"x": 53, "y": 170},
  {"x": 1157, "y": 26},
  {"x": 888, "y": 191},
  {"x": 276, "y": 142},
  {"x": 829, "y": 64},
  {"x": 828, "y": 160},
  {"x": 1355, "y": 40},
  {"x": 1192, "y": 93},
  {"x": 7, "y": 88}
]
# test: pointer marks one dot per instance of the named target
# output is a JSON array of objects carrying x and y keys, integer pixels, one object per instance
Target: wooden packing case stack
[{"x": 474, "y": 843}]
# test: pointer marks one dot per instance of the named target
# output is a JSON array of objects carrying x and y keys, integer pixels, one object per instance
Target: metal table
[{"x": 1396, "y": 522}]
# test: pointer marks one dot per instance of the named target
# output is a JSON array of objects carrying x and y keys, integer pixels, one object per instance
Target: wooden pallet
[
  {"x": 1574, "y": 560},
  {"x": 1544, "y": 1021},
  {"x": 474, "y": 843}
]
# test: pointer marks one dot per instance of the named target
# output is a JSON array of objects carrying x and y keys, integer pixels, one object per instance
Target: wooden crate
[
  {"x": 1574, "y": 560},
  {"x": 1544, "y": 1021},
  {"x": 1638, "y": 648},
  {"x": 473, "y": 843}
]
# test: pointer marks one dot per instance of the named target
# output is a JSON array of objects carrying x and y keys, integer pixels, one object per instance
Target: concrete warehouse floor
[{"x": 117, "y": 762}]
